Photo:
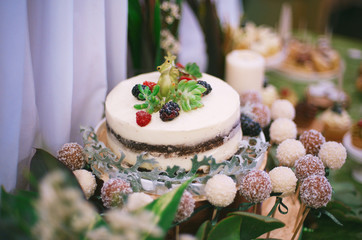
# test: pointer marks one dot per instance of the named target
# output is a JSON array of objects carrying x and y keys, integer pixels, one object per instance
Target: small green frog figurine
[{"x": 169, "y": 76}]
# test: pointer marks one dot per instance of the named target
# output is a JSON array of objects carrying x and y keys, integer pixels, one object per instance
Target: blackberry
[
  {"x": 206, "y": 85},
  {"x": 169, "y": 111},
  {"x": 249, "y": 127},
  {"x": 136, "y": 92},
  {"x": 337, "y": 108}
]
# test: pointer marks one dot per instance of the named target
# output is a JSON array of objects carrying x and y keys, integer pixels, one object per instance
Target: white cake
[{"x": 213, "y": 129}]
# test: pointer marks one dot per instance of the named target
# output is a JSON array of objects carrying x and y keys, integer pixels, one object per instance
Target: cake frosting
[{"x": 213, "y": 129}]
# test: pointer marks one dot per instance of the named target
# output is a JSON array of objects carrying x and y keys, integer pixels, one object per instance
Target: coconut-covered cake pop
[
  {"x": 289, "y": 151},
  {"x": 312, "y": 141},
  {"x": 137, "y": 200},
  {"x": 87, "y": 181},
  {"x": 220, "y": 190},
  {"x": 333, "y": 154},
  {"x": 185, "y": 207},
  {"x": 308, "y": 165},
  {"x": 256, "y": 186},
  {"x": 282, "y": 108},
  {"x": 250, "y": 96},
  {"x": 71, "y": 155},
  {"x": 283, "y": 181},
  {"x": 315, "y": 191},
  {"x": 269, "y": 94},
  {"x": 261, "y": 114},
  {"x": 113, "y": 191},
  {"x": 282, "y": 129}
]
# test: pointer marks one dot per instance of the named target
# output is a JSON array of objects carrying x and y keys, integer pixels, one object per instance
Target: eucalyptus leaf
[
  {"x": 254, "y": 225},
  {"x": 165, "y": 207}
]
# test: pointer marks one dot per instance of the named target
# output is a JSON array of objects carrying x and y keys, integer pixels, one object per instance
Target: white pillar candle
[{"x": 245, "y": 70}]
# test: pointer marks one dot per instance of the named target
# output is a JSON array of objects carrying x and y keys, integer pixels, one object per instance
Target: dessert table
[{"x": 347, "y": 190}]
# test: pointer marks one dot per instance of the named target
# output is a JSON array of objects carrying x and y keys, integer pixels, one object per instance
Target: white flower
[
  {"x": 62, "y": 211},
  {"x": 133, "y": 225},
  {"x": 220, "y": 190}
]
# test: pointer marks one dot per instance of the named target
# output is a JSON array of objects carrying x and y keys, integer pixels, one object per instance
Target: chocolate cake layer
[{"x": 179, "y": 150}]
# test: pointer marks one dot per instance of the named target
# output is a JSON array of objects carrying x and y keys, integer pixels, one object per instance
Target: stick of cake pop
[
  {"x": 315, "y": 192},
  {"x": 268, "y": 234},
  {"x": 255, "y": 208},
  {"x": 300, "y": 212},
  {"x": 177, "y": 237},
  {"x": 301, "y": 222}
]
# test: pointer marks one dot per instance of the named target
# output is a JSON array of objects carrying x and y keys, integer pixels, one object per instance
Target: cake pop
[
  {"x": 250, "y": 96},
  {"x": 137, "y": 200},
  {"x": 289, "y": 151},
  {"x": 261, "y": 114},
  {"x": 220, "y": 190},
  {"x": 113, "y": 191},
  {"x": 71, "y": 155},
  {"x": 283, "y": 181},
  {"x": 312, "y": 141},
  {"x": 308, "y": 165},
  {"x": 282, "y": 108},
  {"x": 256, "y": 186},
  {"x": 281, "y": 129},
  {"x": 333, "y": 154},
  {"x": 87, "y": 181},
  {"x": 185, "y": 207},
  {"x": 315, "y": 191}
]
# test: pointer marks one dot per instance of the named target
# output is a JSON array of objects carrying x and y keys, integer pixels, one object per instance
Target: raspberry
[
  {"x": 206, "y": 85},
  {"x": 136, "y": 92},
  {"x": 149, "y": 84},
  {"x": 180, "y": 65},
  {"x": 249, "y": 127},
  {"x": 143, "y": 118},
  {"x": 185, "y": 78},
  {"x": 169, "y": 111}
]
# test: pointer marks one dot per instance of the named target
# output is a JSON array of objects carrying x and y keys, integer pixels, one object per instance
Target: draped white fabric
[{"x": 58, "y": 60}]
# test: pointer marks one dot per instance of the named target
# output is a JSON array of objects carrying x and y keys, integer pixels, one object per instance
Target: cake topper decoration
[{"x": 177, "y": 88}]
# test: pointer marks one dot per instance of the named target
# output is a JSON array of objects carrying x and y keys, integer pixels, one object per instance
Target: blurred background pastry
[{"x": 336, "y": 122}]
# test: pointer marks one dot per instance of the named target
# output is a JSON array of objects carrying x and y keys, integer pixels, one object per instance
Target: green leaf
[
  {"x": 228, "y": 228},
  {"x": 135, "y": 32},
  {"x": 189, "y": 93},
  {"x": 157, "y": 32},
  {"x": 193, "y": 69},
  {"x": 203, "y": 230},
  {"x": 17, "y": 214},
  {"x": 254, "y": 225},
  {"x": 43, "y": 163},
  {"x": 165, "y": 207}
]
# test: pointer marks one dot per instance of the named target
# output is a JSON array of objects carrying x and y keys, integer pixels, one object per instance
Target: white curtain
[{"x": 58, "y": 60}]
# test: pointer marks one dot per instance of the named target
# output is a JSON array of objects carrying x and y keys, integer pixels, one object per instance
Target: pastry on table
[
  {"x": 288, "y": 94},
  {"x": 305, "y": 114},
  {"x": 336, "y": 123},
  {"x": 324, "y": 94},
  {"x": 309, "y": 58},
  {"x": 356, "y": 134},
  {"x": 359, "y": 79}
]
